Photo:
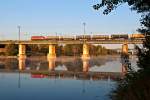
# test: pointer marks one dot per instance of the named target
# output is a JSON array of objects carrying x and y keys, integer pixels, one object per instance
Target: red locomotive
[{"x": 38, "y": 38}]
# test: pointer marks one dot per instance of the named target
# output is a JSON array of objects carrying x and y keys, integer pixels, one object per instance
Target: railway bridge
[{"x": 52, "y": 54}]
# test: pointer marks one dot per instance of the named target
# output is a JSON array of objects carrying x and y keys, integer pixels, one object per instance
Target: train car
[
  {"x": 38, "y": 38},
  {"x": 52, "y": 37},
  {"x": 100, "y": 37},
  {"x": 136, "y": 36},
  {"x": 119, "y": 36},
  {"x": 83, "y": 37},
  {"x": 67, "y": 38}
]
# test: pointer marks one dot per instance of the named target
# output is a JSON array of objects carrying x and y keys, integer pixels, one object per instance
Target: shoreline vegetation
[
  {"x": 66, "y": 57},
  {"x": 136, "y": 84}
]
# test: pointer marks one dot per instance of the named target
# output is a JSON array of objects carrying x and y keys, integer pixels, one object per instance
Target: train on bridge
[{"x": 91, "y": 37}]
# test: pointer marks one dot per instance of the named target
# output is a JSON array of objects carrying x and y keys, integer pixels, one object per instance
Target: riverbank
[{"x": 67, "y": 57}]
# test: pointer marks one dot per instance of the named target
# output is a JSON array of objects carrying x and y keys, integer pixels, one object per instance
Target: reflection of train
[{"x": 90, "y": 37}]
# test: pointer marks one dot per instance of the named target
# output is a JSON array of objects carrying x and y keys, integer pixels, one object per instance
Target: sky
[{"x": 62, "y": 17}]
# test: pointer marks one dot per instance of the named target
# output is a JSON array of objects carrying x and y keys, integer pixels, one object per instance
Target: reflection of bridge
[
  {"x": 69, "y": 74},
  {"x": 77, "y": 75},
  {"x": 52, "y": 54},
  {"x": 53, "y": 72},
  {"x": 84, "y": 74},
  {"x": 52, "y": 66}
]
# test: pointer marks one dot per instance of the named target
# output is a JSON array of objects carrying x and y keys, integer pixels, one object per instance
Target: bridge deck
[{"x": 137, "y": 41}]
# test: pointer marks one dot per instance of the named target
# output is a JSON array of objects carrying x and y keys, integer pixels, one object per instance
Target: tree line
[{"x": 61, "y": 50}]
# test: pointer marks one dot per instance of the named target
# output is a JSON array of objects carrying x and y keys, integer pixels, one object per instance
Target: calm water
[{"x": 59, "y": 79}]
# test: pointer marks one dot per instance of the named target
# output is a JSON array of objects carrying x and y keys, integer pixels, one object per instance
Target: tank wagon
[
  {"x": 83, "y": 37},
  {"x": 100, "y": 37},
  {"x": 52, "y": 37},
  {"x": 119, "y": 36},
  {"x": 136, "y": 36}
]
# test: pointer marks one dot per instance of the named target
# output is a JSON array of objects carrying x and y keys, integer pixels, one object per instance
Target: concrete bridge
[
  {"x": 110, "y": 41},
  {"x": 85, "y": 55}
]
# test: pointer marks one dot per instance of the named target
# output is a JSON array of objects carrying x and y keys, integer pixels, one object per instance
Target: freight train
[{"x": 90, "y": 37}]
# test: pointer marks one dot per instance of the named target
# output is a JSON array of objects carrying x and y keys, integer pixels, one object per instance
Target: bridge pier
[
  {"x": 51, "y": 53},
  {"x": 85, "y": 54},
  {"x": 51, "y": 64},
  {"x": 125, "y": 48},
  {"x": 22, "y": 51}
]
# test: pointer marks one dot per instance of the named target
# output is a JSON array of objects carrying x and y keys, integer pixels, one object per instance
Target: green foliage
[
  {"x": 97, "y": 50},
  {"x": 141, "y": 6},
  {"x": 36, "y": 50},
  {"x": 135, "y": 85},
  {"x": 59, "y": 50},
  {"x": 72, "y": 50},
  {"x": 76, "y": 50},
  {"x": 43, "y": 49},
  {"x": 11, "y": 50}
]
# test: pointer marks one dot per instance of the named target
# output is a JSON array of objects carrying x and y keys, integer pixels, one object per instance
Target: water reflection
[
  {"x": 61, "y": 67},
  {"x": 86, "y": 65},
  {"x": 51, "y": 64},
  {"x": 8, "y": 63},
  {"x": 75, "y": 68},
  {"x": 53, "y": 79},
  {"x": 63, "y": 64},
  {"x": 22, "y": 63},
  {"x": 52, "y": 89}
]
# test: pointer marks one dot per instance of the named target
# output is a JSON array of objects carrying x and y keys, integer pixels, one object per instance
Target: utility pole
[
  {"x": 19, "y": 29},
  {"x": 84, "y": 30}
]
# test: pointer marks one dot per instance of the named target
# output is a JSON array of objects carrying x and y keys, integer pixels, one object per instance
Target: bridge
[
  {"x": 52, "y": 54},
  {"x": 110, "y": 41}
]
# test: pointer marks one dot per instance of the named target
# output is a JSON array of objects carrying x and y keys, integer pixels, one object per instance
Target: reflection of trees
[
  {"x": 40, "y": 65},
  {"x": 11, "y": 63},
  {"x": 97, "y": 62},
  {"x": 2, "y": 66},
  {"x": 75, "y": 65}
]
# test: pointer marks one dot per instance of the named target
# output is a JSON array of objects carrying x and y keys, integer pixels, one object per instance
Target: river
[{"x": 63, "y": 78}]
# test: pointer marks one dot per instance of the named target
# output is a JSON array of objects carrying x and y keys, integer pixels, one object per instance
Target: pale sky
[{"x": 64, "y": 17}]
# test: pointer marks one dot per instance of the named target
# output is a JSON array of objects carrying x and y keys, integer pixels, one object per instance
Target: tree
[
  {"x": 11, "y": 50},
  {"x": 136, "y": 85}
]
